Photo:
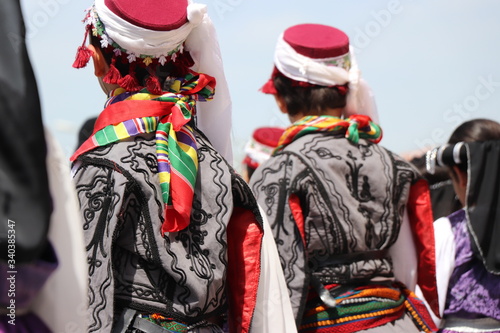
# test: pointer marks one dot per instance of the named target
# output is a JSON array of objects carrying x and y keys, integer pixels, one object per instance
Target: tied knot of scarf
[
  {"x": 128, "y": 114},
  {"x": 353, "y": 128}
]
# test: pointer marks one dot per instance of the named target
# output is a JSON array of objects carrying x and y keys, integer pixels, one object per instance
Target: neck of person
[{"x": 334, "y": 112}]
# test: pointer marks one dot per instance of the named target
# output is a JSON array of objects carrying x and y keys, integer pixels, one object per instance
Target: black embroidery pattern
[
  {"x": 180, "y": 275},
  {"x": 404, "y": 175},
  {"x": 360, "y": 192},
  {"x": 100, "y": 205},
  {"x": 274, "y": 193},
  {"x": 209, "y": 227},
  {"x": 141, "y": 158},
  {"x": 194, "y": 242},
  {"x": 325, "y": 153},
  {"x": 98, "y": 301},
  {"x": 98, "y": 199},
  {"x": 335, "y": 181}
]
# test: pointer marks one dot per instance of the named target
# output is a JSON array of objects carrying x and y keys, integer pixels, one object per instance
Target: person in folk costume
[
  {"x": 42, "y": 252},
  {"x": 27, "y": 257},
  {"x": 175, "y": 240},
  {"x": 467, "y": 247},
  {"x": 352, "y": 220},
  {"x": 259, "y": 148}
]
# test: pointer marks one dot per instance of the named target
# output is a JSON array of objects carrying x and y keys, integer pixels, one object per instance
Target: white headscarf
[
  {"x": 360, "y": 99},
  {"x": 214, "y": 117}
]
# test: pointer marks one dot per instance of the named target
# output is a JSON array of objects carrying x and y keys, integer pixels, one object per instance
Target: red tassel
[
  {"x": 113, "y": 76},
  {"x": 153, "y": 85},
  {"x": 129, "y": 83},
  {"x": 82, "y": 57}
]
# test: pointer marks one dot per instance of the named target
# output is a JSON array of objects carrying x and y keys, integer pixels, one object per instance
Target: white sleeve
[
  {"x": 445, "y": 258},
  {"x": 62, "y": 302},
  {"x": 404, "y": 255},
  {"x": 445, "y": 263},
  {"x": 273, "y": 311}
]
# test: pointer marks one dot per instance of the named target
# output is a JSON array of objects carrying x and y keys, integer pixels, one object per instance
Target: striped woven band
[
  {"x": 128, "y": 114},
  {"x": 353, "y": 128}
]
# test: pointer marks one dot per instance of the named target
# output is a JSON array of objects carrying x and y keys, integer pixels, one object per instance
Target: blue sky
[{"x": 431, "y": 64}]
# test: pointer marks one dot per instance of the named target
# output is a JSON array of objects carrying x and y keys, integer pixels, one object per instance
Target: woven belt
[
  {"x": 334, "y": 260},
  {"x": 348, "y": 258},
  {"x": 129, "y": 318}
]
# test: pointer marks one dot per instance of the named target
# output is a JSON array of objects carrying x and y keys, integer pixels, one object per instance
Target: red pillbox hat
[
  {"x": 159, "y": 15},
  {"x": 317, "y": 41}
]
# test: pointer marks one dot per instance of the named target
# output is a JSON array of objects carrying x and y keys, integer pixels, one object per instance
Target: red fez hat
[
  {"x": 317, "y": 41},
  {"x": 261, "y": 146},
  {"x": 157, "y": 15},
  {"x": 120, "y": 24},
  {"x": 268, "y": 136}
]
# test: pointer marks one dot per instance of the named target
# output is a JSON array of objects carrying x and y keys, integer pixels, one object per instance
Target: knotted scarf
[
  {"x": 128, "y": 114},
  {"x": 353, "y": 128}
]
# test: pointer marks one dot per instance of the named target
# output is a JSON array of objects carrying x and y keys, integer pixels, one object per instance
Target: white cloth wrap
[
  {"x": 214, "y": 117},
  {"x": 258, "y": 152},
  {"x": 62, "y": 302},
  {"x": 146, "y": 41},
  {"x": 273, "y": 311},
  {"x": 297, "y": 67}
]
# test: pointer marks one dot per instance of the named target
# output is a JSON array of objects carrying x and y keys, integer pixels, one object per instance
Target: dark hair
[
  {"x": 310, "y": 100},
  {"x": 250, "y": 171},
  {"x": 475, "y": 130},
  {"x": 179, "y": 68}
]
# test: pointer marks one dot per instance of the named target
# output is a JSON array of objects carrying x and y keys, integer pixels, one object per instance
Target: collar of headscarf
[
  {"x": 128, "y": 114},
  {"x": 353, "y": 128}
]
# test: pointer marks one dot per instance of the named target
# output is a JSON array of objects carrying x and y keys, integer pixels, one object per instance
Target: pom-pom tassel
[
  {"x": 82, "y": 57},
  {"x": 129, "y": 82},
  {"x": 83, "y": 53},
  {"x": 113, "y": 76},
  {"x": 153, "y": 84}
]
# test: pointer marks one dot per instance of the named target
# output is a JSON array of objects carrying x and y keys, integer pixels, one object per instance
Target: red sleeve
[
  {"x": 244, "y": 242},
  {"x": 421, "y": 220},
  {"x": 296, "y": 210}
]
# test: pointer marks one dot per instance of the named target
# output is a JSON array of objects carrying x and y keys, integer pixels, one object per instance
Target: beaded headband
[{"x": 169, "y": 51}]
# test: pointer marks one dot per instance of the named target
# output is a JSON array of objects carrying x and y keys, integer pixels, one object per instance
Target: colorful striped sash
[
  {"x": 364, "y": 307},
  {"x": 353, "y": 128},
  {"x": 128, "y": 114}
]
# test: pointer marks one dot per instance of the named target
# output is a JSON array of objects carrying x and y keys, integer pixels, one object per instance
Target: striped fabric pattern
[
  {"x": 176, "y": 149},
  {"x": 353, "y": 128},
  {"x": 364, "y": 307},
  {"x": 168, "y": 324}
]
